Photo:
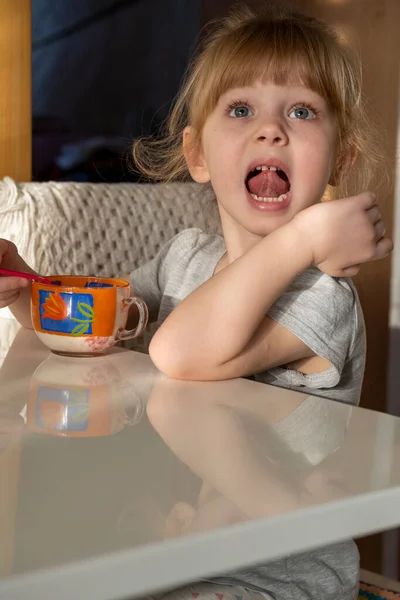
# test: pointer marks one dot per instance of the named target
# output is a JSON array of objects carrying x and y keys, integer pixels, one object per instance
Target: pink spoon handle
[{"x": 24, "y": 275}]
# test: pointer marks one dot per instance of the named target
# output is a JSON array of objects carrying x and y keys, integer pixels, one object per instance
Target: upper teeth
[{"x": 264, "y": 168}]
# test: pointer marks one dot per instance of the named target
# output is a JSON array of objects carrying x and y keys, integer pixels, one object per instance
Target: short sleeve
[
  {"x": 321, "y": 311},
  {"x": 147, "y": 281},
  {"x": 169, "y": 273}
]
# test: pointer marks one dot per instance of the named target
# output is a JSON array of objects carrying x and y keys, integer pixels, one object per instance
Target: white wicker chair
[{"x": 97, "y": 229}]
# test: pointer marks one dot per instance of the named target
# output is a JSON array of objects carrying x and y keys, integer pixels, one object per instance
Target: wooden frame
[{"x": 15, "y": 90}]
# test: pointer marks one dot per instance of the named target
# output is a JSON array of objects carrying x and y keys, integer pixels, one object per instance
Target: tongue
[{"x": 268, "y": 185}]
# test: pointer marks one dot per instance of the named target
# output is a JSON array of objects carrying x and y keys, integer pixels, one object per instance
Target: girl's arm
[{"x": 220, "y": 331}]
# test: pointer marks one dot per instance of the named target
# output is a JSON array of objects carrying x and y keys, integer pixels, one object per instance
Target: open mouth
[{"x": 268, "y": 184}]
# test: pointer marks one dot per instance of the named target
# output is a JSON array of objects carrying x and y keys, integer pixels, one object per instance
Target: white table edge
[{"x": 139, "y": 571}]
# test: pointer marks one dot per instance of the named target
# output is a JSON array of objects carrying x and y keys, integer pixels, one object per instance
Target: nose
[{"x": 272, "y": 132}]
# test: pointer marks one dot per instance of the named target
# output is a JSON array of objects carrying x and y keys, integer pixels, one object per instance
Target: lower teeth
[{"x": 281, "y": 198}]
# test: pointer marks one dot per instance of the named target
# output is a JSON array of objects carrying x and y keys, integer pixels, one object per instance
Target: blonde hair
[{"x": 278, "y": 47}]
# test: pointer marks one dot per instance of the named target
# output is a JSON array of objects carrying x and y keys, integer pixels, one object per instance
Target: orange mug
[{"x": 84, "y": 316}]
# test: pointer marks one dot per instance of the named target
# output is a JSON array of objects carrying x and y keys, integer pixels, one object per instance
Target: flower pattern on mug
[
  {"x": 55, "y": 307},
  {"x": 97, "y": 344},
  {"x": 125, "y": 304},
  {"x": 87, "y": 312},
  {"x": 72, "y": 314}
]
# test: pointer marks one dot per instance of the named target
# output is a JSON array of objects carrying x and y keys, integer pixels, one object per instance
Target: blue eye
[
  {"x": 302, "y": 112},
  {"x": 240, "y": 111}
]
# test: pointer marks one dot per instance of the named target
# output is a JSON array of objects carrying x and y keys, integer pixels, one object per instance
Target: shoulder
[
  {"x": 192, "y": 255},
  {"x": 190, "y": 241},
  {"x": 195, "y": 237}
]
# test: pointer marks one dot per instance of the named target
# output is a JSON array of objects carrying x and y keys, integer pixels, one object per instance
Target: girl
[{"x": 270, "y": 115}]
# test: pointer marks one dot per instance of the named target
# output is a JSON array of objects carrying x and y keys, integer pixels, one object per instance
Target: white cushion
[{"x": 97, "y": 229}]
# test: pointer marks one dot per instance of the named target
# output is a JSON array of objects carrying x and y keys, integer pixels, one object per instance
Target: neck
[{"x": 237, "y": 239}]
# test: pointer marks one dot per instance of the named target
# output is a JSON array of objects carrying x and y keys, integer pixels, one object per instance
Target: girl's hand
[
  {"x": 342, "y": 234},
  {"x": 10, "y": 287}
]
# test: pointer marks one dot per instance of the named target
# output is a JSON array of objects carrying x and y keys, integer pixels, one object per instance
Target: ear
[{"x": 194, "y": 157}]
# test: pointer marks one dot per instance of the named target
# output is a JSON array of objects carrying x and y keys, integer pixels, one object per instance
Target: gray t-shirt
[
  {"x": 324, "y": 312},
  {"x": 312, "y": 432}
]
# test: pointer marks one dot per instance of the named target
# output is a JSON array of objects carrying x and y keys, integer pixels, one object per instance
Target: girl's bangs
[{"x": 279, "y": 59}]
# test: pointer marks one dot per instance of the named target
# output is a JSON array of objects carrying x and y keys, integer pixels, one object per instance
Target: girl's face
[{"x": 268, "y": 151}]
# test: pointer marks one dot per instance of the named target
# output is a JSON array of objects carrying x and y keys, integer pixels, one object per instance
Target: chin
[
  {"x": 264, "y": 231},
  {"x": 260, "y": 230},
  {"x": 258, "y": 225}
]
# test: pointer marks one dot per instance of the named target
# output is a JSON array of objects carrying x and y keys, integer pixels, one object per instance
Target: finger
[
  {"x": 351, "y": 271},
  {"x": 5, "y": 246},
  {"x": 380, "y": 230},
  {"x": 10, "y": 300},
  {"x": 12, "y": 283},
  {"x": 383, "y": 248},
  {"x": 367, "y": 199},
  {"x": 7, "y": 295},
  {"x": 374, "y": 214}
]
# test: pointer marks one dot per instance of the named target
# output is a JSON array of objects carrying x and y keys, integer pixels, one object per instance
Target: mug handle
[{"x": 127, "y": 334}]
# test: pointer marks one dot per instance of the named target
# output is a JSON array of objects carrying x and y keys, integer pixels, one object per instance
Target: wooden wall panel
[
  {"x": 15, "y": 161},
  {"x": 15, "y": 89}
]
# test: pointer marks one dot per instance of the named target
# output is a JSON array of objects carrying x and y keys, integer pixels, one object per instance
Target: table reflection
[
  {"x": 257, "y": 451},
  {"x": 75, "y": 397}
]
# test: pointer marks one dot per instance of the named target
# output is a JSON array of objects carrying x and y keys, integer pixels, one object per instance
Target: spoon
[{"x": 25, "y": 276}]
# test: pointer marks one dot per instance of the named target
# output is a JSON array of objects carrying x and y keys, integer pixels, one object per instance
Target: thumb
[{"x": 5, "y": 246}]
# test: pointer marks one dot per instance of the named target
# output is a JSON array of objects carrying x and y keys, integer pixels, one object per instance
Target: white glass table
[{"x": 116, "y": 481}]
